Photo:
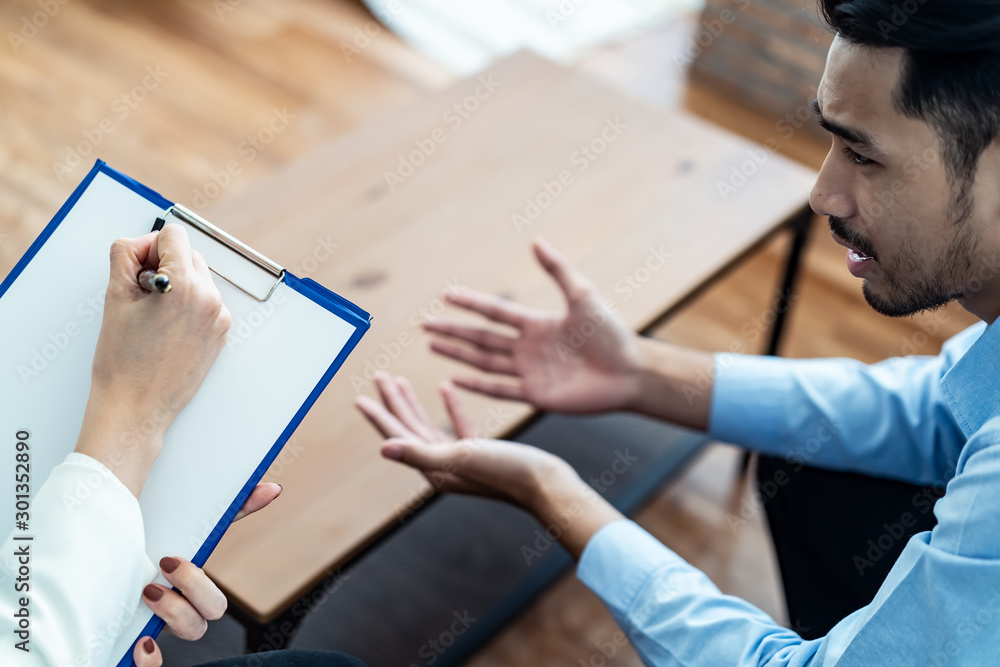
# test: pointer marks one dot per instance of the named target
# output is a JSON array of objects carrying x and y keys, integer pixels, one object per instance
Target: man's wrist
[
  {"x": 673, "y": 383},
  {"x": 569, "y": 509}
]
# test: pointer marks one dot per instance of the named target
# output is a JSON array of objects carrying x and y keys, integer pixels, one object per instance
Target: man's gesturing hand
[
  {"x": 584, "y": 360},
  {"x": 535, "y": 480}
]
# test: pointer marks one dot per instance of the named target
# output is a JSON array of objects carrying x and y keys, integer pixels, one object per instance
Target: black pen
[{"x": 151, "y": 281}]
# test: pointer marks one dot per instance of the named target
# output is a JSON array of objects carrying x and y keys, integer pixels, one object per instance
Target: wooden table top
[{"x": 651, "y": 205}]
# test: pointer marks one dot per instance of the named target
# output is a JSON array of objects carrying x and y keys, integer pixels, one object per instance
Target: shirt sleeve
[
  {"x": 71, "y": 589},
  {"x": 939, "y": 605},
  {"x": 888, "y": 419},
  {"x": 673, "y": 614}
]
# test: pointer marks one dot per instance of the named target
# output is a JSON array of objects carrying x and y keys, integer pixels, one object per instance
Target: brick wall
[{"x": 766, "y": 54}]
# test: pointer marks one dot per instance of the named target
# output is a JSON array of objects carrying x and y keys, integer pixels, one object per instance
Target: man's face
[{"x": 886, "y": 189}]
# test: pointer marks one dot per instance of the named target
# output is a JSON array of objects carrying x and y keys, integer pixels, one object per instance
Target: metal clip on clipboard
[{"x": 257, "y": 276}]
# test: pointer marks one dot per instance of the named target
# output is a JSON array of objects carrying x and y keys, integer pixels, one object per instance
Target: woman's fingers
[
  {"x": 260, "y": 497},
  {"x": 382, "y": 419},
  {"x": 196, "y": 601},
  {"x": 128, "y": 257},
  {"x": 459, "y": 420},
  {"x": 572, "y": 283},
  {"x": 489, "y": 306},
  {"x": 180, "y": 616},
  {"x": 146, "y": 653},
  {"x": 172, "y": 249},
  {"x": 479, "y": 336},
  {"x": 491, "y": 362}
]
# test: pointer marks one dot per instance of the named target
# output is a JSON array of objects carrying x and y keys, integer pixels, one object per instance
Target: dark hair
[{"x": 951, "y": 71}]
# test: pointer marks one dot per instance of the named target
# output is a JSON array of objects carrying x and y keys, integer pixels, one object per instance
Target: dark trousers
[
  {"x": 289, "y": 659},
  {"x": 837, "y": 536}
]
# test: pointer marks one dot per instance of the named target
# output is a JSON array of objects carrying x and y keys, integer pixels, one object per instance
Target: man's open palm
[{"x": 584, "y": 360}]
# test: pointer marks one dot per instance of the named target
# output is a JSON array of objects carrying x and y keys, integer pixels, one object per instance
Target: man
[{"x": 911, "y": 95}]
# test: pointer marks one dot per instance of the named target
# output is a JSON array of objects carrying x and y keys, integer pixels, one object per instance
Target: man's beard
[{"x": 908, "y": 287}]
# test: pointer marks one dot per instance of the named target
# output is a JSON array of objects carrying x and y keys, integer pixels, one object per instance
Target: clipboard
[{"x": 289, "y": 337}]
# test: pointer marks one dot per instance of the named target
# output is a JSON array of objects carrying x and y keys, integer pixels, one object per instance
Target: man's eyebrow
[{"x": 856, "y": 136}]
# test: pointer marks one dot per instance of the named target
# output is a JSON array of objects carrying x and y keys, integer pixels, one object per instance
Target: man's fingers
[
  {"x": 572, "y": 283},
  {"x": 492, "y": 307},
  {"x": 424, "y": 456},
  {"x": 392, "y": 396},
  {"x": 260, "y": 497},
  {"x": 491, "y": 362},
  {"x": 459, "y": 420},
  {"x": 146, "y": 653},
  {"x": 478, "y": 336},
  {"x": 382, "y": 419},
  {"x": 410, "y": 394},
  {"x": 510, "y": 392}
]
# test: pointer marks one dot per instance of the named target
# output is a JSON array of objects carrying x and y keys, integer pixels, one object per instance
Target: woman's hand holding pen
[{"x": 153, "y": 353}]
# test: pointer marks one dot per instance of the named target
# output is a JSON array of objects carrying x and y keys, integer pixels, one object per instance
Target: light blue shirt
[{"x": 925, "y": 420}]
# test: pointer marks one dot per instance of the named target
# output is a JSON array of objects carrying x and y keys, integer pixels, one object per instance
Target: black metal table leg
[{"x": 800, "y": 225}]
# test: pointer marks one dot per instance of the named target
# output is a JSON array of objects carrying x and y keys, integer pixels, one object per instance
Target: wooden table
[{"x": 651, "y": 205}]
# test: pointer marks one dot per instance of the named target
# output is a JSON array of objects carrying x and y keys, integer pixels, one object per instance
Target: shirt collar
[{"x": 972, "y": 386}]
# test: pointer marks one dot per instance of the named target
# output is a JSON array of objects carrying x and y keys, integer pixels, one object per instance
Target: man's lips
[{"x": 850, "y": 247}]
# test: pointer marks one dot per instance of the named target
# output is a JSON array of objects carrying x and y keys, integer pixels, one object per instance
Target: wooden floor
[{"x": 196, "y": 81}]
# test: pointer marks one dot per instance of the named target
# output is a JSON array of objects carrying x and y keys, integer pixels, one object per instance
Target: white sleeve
[{"x": 66, "y": 593}]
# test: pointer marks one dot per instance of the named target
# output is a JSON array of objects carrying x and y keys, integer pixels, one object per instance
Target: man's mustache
[{"x": 864, "y": 246}]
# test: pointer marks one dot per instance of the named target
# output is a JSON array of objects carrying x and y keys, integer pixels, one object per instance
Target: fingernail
[
  {"x": 154, "y": 593},
  {"x": 168, "y": 564},
  {"x": 280, "y": 488},
  {"x": 394, "y": 452},
  {"x": 148, "y": 646}
]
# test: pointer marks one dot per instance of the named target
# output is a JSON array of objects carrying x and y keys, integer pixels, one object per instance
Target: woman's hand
[
  {"x": 535, "y": 480},
  {"x": 584, "y": 360},
  {"x": 197, "y": 600},
  {"x": 153, "y": 353}
]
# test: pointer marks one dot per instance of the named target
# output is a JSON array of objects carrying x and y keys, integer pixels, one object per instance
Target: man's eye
[{"x": 856, "y": 157}]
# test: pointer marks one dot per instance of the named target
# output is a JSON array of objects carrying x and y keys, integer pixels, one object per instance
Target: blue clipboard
[{"x": 355, "y": 323}]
